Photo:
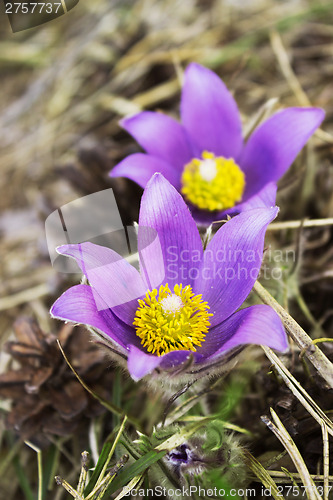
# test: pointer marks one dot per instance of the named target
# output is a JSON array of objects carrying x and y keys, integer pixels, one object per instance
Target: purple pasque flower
[
  {"x": 205, "y": 158},
  {"x": 188, "y": 318}
]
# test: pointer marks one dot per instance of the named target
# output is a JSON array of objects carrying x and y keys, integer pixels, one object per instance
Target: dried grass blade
[
  {"x": 136, "y": 482},
  {"x": 281, "y": 433},
  {"x": 262, "y": 474},
  {"x": 301, "y": 338},
  {"x": 309, "y": 404},
  {"x": 326, "y": 460}
]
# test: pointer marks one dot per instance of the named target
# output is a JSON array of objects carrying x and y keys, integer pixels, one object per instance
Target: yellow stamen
[
  {"x": 213, "y": 183},
  {"x": 167, "y": 321}
]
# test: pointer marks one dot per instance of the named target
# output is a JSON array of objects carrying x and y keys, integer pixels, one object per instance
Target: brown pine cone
[{"x": 46, "y": 396}]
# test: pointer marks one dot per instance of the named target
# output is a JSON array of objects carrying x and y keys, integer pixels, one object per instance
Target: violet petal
[
  {"x": 265, "y": 198},
  {"x": 232, "y": 262},
  {"x": 140, "y": 363},
  {"x": 210, "y": 114},
  {"x": 274, "y": 145},
  {"x": 140, "y": 167},
  {"x": 258, "y": 324},
  {"x": 163, "y": 209},
  {"x": 78, "y": 305},
  {"x": 161, "y": 136},
  {"x": 115, "y": 283},
  {"x": 175, "y": 358}
]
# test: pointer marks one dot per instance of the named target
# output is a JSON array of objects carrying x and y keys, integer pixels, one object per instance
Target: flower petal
[
  {"x": 274, "y": 145},
  {"x": 265, "y": 198},
  {"x": 140, "y": 167},
  {"x": 115, "y": 283},
  {"x": 78, "y": 305},
  {"x": 161, "y": 136},
  {"x": 257, "y": 324},
  {"x": 140, "y": 363},
  {"x": 210, "y": 114},
  {"x": 163, "y": 209},
  {"x": 175, "y": 358},
  {"x": 232, "y": 262}
]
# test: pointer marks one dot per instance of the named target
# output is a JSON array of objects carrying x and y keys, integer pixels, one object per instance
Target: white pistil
[
  {"x": 208, "y": 169},
  {"x": 171, "y": 304}
]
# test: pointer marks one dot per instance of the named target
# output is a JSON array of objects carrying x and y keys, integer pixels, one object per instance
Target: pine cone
[{"x": 46, "y": 396}]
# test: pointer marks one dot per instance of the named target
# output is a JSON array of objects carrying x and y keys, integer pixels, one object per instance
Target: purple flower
[
  {"x": 205, "y": 157},
  {"x": 187, "y": 319}
]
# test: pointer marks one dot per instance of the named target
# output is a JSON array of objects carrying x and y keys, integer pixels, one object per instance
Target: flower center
[
  {"x": 172, "y": 303},
  {"x": 212, "y": 183},
  {"x": 167, "y": 321}
]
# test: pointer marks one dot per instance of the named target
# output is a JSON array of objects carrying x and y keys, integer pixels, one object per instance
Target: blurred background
[{"x": 64, "y": 87}]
